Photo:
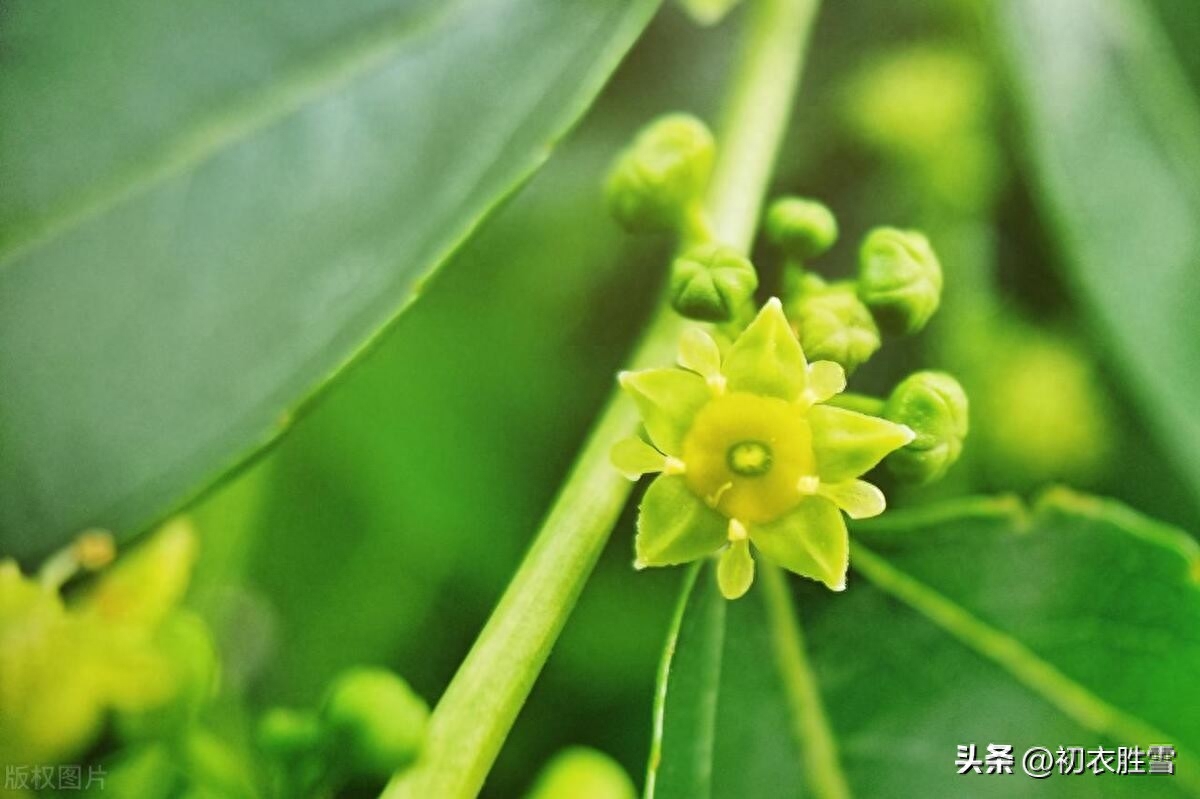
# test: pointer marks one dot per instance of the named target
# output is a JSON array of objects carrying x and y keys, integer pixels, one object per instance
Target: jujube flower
[{"x": 749, "y": 452}]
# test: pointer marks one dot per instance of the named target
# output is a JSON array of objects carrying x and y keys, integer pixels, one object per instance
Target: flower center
[
  {"x": 749, "y": 458},
  {"x": 746, "y": 454}
]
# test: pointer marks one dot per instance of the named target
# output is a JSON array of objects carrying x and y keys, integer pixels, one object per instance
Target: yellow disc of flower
[{"x": 747, "y": 455}]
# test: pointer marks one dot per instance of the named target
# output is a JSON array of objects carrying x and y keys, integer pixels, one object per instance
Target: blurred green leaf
[
  {"x": 722, "y": 727},
  {"x": 1113, "y": 131},
  {"x": 207, "y": 210},
  {"x": 1071, "y": 624}
]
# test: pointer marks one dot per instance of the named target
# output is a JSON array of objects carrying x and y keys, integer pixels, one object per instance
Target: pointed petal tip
[{"x": 640, "y": 565}]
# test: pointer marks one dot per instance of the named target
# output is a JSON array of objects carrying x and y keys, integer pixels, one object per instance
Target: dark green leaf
[
  {"x": 207, "y": 210},
  {"x": 1113, "y": 132},
  {"x": 1072, "y": 624}
]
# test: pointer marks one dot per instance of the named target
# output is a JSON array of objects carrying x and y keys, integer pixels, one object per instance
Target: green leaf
[
  {"x": 720, "y": 719},
  {"x": 205, "y": 225},
  {"x": 979, "y": 621},
  {"x": 1113, "y": 133}
]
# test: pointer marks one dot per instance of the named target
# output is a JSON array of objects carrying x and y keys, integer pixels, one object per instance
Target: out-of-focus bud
[
  {"x": 374, "y": 721},
  {"x": 832, "y": 323},
  {"x": 710, "y": 282},
  {"x": 288, "y": 734},
  {"x": 801, "y": 228},
  {"x": 149, "y": 581},
  {"x": 899, "y": 278},
  {"x": 177, "y": 671},
  {"x": 581, "y": 773},
  {"x": 934, "y": 405},
  {"x": 656, "y": 181}
]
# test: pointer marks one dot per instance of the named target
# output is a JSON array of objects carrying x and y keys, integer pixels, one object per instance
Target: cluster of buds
[
  {"x": 752, "y": 438},
  {"x": 116, "y": 652},
  {"x": 370, "y": 725}
]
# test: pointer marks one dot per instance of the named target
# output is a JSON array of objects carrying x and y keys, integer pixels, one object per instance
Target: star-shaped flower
[{"x": 750, "y": 454}]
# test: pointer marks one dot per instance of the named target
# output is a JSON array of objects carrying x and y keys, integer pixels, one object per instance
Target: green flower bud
[
  {"x": 288, "y": 734},
  {"x": 374, "y": 721},
  {"x": 663, "y": 174},
  {"x": 187, "y": 669},
  {"x": 934, "y": 405},
  {"x": 833, "y": 324},
  {"x": 899, "y": 278},
  {"x": 711, "y": 282},
  {"x": 801, "y": 228},
  {"x": 580, "y": 773}
]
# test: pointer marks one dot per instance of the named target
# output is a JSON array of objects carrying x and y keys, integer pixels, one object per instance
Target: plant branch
[
  {"x": 473, "y": 718},
  {"x": 813, "y": 734}
]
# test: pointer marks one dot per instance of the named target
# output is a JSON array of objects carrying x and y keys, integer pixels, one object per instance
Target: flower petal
[
  {"x": 858, "y": 498},
  {"x": 735, "y": 570},
  {"x": 848, "y": 443},
  {"x": 766, "y": 359},
  {"x": 811, "y": 541},
  {"x": 634, "y": 457},
  {"x": 668, "y": 400},
  {"x": 674, "y": 526},
  {"x": 699, "y": 353},
  {"x": 825, "y": 379}
]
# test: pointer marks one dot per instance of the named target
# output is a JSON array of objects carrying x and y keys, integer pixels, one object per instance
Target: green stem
[
  {"x": 812, "y": 730},
  {"x": 473, "y": 717},
  {"x": 756, "y": 114}
]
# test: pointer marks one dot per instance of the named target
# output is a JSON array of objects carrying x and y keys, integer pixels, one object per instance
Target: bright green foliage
[
  {"x": 934, "y": 406},
  {"x": 832, "y": 322},
  {"x": 801, "y": 228},
  {"x": 749, "y": 453},
  {"x": 710, "y": 282},
  {"x": 975, "y": 620},
  {"x": 582, "y": 773},
  {"x": 899, "y": 278},
  {"x": 655, "y": 183}
]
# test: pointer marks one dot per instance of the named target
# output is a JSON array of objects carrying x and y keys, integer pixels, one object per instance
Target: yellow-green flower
[{"x": 750, "y": 454}]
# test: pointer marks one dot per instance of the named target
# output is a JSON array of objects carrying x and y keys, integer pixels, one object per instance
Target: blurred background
[{"x": 384, "y": 527}]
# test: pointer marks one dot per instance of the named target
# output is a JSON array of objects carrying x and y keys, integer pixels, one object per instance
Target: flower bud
[
  {"x": 665, "y": 171},
  {"x": 801, "y": 228},
  {"x": 899, "y": 278},
  {"x": 934, "y": 405},
  {"x": 711, "y": 282},
  {"x": 288, "y": 734},
  {"x": 374, "y": 721},
  {"x": 581, "y": 773},
  {"x": 833, "y": 324}
]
